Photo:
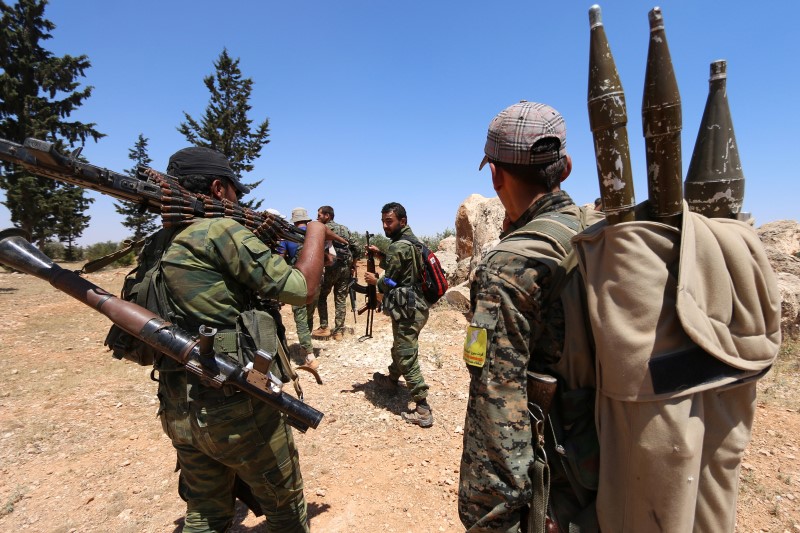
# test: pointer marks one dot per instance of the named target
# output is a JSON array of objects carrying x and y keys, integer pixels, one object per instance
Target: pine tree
[
  {"x": 70, "y": 217},
  {"x": 38, "y": 92},
  {"x": 142, "y": 222},
  {"x": 225, "y": 126}
]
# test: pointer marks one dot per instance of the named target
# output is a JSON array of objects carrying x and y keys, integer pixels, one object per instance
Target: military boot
[
  {"x": 422, "y": 416},
  {"x": 321, "y": 332},
  {"x": 384, "y": 382}
]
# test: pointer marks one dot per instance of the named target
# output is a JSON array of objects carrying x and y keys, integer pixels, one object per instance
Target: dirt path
[{"x": 81, "y": 448}]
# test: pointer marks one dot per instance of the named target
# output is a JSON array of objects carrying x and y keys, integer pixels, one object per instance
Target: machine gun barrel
[{"x": 156, "y": 192}]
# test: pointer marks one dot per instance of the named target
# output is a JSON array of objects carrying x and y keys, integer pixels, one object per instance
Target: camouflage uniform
[
  {"x": 304, "y": 322},
  {"x": 303, "y": 314},
  {"x": 402, "y": 264},
  {"x": 337, "y": 279},
  {"x": 506, "y": 295},
  {"x": 212, "y": 270}
]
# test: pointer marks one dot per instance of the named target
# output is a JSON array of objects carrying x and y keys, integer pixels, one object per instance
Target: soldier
[
  {"x": 303, "y": 314},
  {"x": 510, "y": 331},
  {"x": 405, "y": 304},
  {"x": 336, "y": 278},
  {"x": 213, "y": 270}
]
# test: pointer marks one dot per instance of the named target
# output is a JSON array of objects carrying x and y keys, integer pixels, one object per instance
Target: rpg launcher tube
[
  {"x": 661, "y": 124},
  {"x": 214, "y": 369},
  {"x": 715, "y": 182},
  {"x": 608, "y": 118}
]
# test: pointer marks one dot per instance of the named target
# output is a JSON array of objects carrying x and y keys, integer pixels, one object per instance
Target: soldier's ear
[
  {"x": 567, "y": 167},
  {"x": 217, "y": 189},
  {"x": 498, "y": 176}
]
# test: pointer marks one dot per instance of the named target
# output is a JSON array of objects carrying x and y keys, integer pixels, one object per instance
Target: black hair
[
  {"x": 393, "y": 207},
  {"x": 326, "y": 210},
  {"x": 546, "y": 174},
  {"x": 197, "y": 183},
  {"x": 201, "y": 184}
]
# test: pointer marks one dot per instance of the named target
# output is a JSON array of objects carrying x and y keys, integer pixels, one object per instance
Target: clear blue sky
[{"x": 372, "y": 101}]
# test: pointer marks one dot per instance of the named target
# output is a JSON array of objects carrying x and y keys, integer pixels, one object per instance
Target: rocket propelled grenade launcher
[
  {"x": 608, "y": 118},
  {"x": 196, "y": 354},
  {"x": 661, "y": 125},
  {"x": 715, "y": 181},
  {"x": 154, "y": 191}
]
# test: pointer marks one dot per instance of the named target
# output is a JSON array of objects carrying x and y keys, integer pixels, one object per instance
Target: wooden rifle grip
[{"x": 541, "y": 390}]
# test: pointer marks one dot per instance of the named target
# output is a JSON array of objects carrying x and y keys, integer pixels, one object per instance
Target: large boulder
[
  {"x": 789, "y": 287},
  {"x": 782, "y": 235},
  {"x": 448, "y": 244},
  {"x": 782, "y": 243},
  {"x": 449, "y": 263},
  {"x": 458, "y": 297},
  {"x": 479, "y": 220}
]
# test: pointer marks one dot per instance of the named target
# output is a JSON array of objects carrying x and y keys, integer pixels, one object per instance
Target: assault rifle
[
  {"x": 152, "y": 190},
  {"x": 352, "y": 291},
  {"x": 195, "y": 353}
]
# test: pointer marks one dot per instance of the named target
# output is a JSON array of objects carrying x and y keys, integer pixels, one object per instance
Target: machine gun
[
  {"x": 152, "y": 190},
  {"x": 195, "y": 353}
]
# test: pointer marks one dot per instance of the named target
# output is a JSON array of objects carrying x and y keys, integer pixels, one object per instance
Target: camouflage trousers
[
  {"x": 304, "y": 323},
  {"x": 336, "y": 280},
  {"x": 218, "y": 437},
  {"x": 405, "y": 351}
]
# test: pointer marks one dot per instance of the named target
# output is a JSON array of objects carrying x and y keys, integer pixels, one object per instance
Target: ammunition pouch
[
  {"x": 400, "y": 303},
  {"x": 126, "y": 346},
  {"x": 255, "y": 330},
  {"x": 143, "y": 286}
]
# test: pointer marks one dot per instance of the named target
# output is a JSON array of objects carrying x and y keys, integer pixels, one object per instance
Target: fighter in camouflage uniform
[
  {"x": 526, "y": 152},
  {"x": 213, "y": 270},
  {"x": 407, "y": 307},
  {"x": 336, "y": 278},
  {"x": 303, "y": 314}
]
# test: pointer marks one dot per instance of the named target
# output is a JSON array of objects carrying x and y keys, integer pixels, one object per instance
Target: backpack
[
  {"x": 570, "y": 442},
  {"x": 434, "y": 281},
  {"x": 143, "y": 286},
  {"x": 345, "y": 254}
]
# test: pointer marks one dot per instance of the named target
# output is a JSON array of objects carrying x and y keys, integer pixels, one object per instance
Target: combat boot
[
  {"x": 384, "y": 382},
  {"x": 321, "y": 332},
  {"x": 422, "y": 416},
  {"x": 337, "y": 335}
]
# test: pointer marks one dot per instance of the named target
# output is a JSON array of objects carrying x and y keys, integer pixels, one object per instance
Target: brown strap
[{"x": 128, "y": 246}]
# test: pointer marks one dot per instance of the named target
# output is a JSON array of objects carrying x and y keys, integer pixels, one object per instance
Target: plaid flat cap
[{"x": 514, "y": 131}]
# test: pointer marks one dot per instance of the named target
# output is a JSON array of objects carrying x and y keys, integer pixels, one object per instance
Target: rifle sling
[{"x": 128, "y": 246}]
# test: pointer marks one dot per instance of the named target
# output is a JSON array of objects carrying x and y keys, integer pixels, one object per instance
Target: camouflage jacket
[
  {"x": 402, "y": 264},
  {"x": 214, "y": 267},
  {"x": 341, "y": 231},
  {"x": 506, "y": 296}
]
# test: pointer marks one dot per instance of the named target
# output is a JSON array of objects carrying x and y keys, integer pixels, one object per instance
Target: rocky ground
[{"x": 82, "y": 450}]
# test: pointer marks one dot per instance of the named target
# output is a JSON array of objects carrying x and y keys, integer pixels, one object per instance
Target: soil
[{"x": 82, "y": 450}]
